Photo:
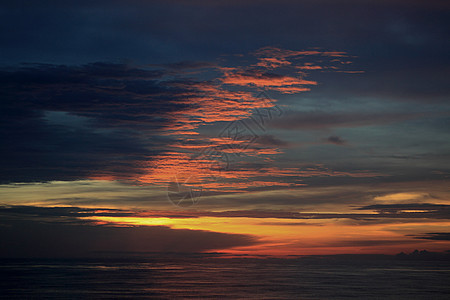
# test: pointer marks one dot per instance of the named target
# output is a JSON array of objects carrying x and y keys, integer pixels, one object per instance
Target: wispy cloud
[{"x": 324, "y": 120}]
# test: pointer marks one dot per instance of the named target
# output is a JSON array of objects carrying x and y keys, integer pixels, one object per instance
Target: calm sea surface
[{"x": 218, "y": 278}]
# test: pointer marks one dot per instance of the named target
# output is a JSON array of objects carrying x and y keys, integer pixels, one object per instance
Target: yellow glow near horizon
[
  {"x": 240, "y": 225},
  {"x": 288, "y": 236}
]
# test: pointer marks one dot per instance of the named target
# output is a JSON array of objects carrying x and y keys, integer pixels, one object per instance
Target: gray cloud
[
  {"x": 336, "y": 140},
  {"x": 325, "y": 120}
]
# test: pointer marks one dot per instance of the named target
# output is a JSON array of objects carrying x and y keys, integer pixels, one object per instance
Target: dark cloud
[
  {"x": 357, "y": 216},
  {"x": 270, "y": 140},
  {"x": 336, "y": 140},
  {"x": 57, "y": 234},
  {"x": 34, "y": 239},
  {"x": 59, "y": 213},
  {"x": 71, "y": 122},
  {"x": 442, "y": 213},
  {"x": 111, "y": 93},
  {"x": 437, "y": 236},
  {"x": 394, "y": 208}
]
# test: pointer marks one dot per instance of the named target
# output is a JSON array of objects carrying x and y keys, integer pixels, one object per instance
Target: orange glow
[
  {"x": 298, "y": 237},
  {"x": 265, "y": 81}
]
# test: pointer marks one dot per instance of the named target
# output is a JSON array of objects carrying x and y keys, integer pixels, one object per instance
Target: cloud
[
  {"x": 293, "y": 215},
  {"x": 426, "y": 210},
  {"x": 103, "y": 120},
  {"x": 272, "y": 60},
  {"x": 115, "y": 121},
  {"x": 325, "y": 120},
  {"x": 403, "y": 197},
  {"x": 58, "y": 213},
  {"x": 290, "y": 224},
  {"x": 270, "y": 140},
  {"x": 436, "y": 236},
  {"x": 76, "y": 215},
  {"x": 71, "y": 122},
  {"x": 265, "y": 79},
  {"x": 186, "y": 65},
  {"x": 368, "y": 242},
  {"x": 26, "y": 237},
  {"x": 321, "y": 216},
  {"x": 336, "y": 140}
]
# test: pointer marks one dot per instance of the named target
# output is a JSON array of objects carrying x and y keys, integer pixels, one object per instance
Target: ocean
[{"x": 225, "y": 278}]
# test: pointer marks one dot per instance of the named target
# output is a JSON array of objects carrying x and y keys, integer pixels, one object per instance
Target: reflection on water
[{"x": 307, "y": 278}]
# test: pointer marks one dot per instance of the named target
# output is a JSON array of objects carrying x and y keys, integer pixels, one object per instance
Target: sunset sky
[{"x": 235, "y": 127}]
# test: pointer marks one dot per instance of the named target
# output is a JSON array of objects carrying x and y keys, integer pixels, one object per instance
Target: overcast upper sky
[{"x": 299, "y": 127}]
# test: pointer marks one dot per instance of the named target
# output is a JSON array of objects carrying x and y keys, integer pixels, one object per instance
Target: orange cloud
[{"x": 261, "y": 79}]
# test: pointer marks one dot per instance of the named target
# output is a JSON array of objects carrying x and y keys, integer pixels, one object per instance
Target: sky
[{"x": 254, "y": 128}]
